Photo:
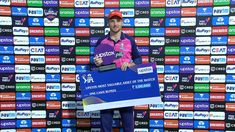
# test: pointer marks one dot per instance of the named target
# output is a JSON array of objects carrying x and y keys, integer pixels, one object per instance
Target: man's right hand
[{"x": 98, "y": 61}]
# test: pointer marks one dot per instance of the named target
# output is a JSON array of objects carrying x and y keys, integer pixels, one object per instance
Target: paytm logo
[
  {"x": 201, "y": 78},
  {"x": 221, "y": 10},
  {"x": 128, "y": 12},
  {"x": 35, "y": 12},
  {"x": 218, "y": 59}
]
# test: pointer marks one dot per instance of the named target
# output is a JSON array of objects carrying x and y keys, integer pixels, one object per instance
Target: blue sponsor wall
[{"x": 45, "y": 44}]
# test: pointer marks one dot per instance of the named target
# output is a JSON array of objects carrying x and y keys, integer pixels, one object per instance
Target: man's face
[{"x": 115, "y": 24}]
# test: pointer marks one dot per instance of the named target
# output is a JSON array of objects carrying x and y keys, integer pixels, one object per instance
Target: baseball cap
[{"x": 115, "y": 13}]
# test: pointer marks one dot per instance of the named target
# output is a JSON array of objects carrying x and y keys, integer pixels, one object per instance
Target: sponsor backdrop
[{"x": 45, "y": 44}]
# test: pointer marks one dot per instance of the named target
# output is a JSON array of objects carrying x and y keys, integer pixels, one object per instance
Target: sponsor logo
[
  {"x": 201, "y": 97},
  {"x": 222, "y": 10},
  {"x": 204, "y": 11}
]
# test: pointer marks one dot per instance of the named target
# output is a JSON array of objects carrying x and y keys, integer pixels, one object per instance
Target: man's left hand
[{"x": 126, "y": 64}]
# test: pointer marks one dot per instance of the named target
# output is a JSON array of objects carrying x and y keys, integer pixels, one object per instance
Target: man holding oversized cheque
[{"x": 126, "y": 86}]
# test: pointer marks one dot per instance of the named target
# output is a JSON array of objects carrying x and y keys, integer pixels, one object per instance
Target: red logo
[
  {"x": 38, "y": 86},
  {"x": 82, "y": 32},
  {"x": 186, "y": 96},
  {"x": 5, "y": 11},
  {"x": 52, "y": 41},
  {"x": 82, "y": 59},
  {"x": 68, "y": 78},
  {"x": 186, "y": 106},
  {"x": 22, "y": 59},
  {"x": 231, "y": 40},
  {"x": 141, "y": 107},
  {"x": 217, "y": 88},
  {"x": 111, "y": 3},
  {"x": 205, "y": 2},
  {"x": 18, "y": 2},
  {"x": 171, "y": 124},
  {"x": 129, "y": 31},
  {"x": 160, "y": 78},
  {"x": 217, "y": 125},
  {"x": 142, "y": 41},
  {"x": 68, "y": 114},
  {"x": 172, "y": 31},
  {"x": 217, "y": 97},
  {"x": 39, "y": 123},
  {"x": 156, "y": 114},
  {"x": 222, "y": 30},
  {"x": 158, "y": 3},
  {"x": 38, "y": 96},
  {"x": 231, "y": 59},
  {"x": 52, "y": 60},
  {"x": 36, "y": 31},
  {"x": 96, "y": 12},
  {"x": 202, "y": 60},
  {"x": 10, "y": 96},
  {"x": 66, "y": 3},
  {"x": 188, "y": 11},
  {"x": 172, "y": 59},
  {"x": 83, "y": 123},
  {"x": 230, "y": 106},
  {"x": 53, "y": 105},
  {"x": 145, "y": 59},
  {"x": 7, "y": 106}
]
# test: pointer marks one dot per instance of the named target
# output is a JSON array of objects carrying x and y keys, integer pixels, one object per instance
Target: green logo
[
  {"x": 22, "y": 86},
  {"x": 34, "y": 2},
  {"x": 51, "y": 31},
  {"x": 82, "y": 50},
  {"x": 64, "y": 12},
  {"x": 127, "y": 3},
  {"x": 157, "y": 12},
  {"x": 141, "y": 31},
  {"x": 201, "y": 87},
  {"x": 221, "y": 2},
  {"x": 172, "y": 50},
  {"x": 231, "y": 30}
]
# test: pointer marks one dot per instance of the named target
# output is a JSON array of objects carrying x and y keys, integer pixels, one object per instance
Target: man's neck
[{"x": 115, "y": 36}]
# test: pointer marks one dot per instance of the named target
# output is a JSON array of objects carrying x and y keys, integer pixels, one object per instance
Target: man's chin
[{"x": 115, "y": 31}]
